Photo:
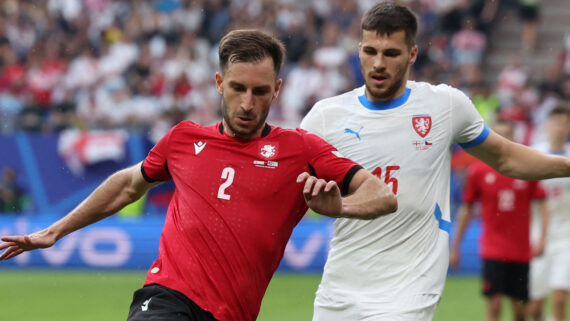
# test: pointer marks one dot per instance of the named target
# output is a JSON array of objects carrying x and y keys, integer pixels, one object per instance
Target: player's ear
[
  {"x": 219, "y": 82},
  {"x": 277, "y": 87},
  {"x": 413, "y": 54}
]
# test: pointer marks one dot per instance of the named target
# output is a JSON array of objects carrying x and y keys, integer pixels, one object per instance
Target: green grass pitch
[{"x": 105, "y": 295}]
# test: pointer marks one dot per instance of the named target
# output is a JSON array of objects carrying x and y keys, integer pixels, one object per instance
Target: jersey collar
[
  {"x": 266, "y": 129},
  {"x": 383, "y": 105}
]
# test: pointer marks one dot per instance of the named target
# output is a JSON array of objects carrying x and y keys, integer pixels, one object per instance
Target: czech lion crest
[{"x": 422, "y": 125}]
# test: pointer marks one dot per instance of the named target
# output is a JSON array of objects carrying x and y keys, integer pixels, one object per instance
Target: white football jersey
[
  {"x": 558, "y": 193},
  {"x": 408, "y": 143}
]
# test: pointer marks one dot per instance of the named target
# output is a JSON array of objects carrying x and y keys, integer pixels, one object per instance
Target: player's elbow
[
  {"x": 389, "y": 204},
  {"x": 384, "y": 205}
]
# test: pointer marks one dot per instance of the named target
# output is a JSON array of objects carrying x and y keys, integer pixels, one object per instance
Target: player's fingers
[
  {"x": 302, "y": 177},
  {"x": 6, "y": 254},
  {"x": 309, "y": 185},
  {"x": 320, "y": 184},
  {"x": 6, "y": 245},
  {"x": 13, "y": 253},
  {"x": 330, "y": 186},
  {"x": 11, "y": 238}
]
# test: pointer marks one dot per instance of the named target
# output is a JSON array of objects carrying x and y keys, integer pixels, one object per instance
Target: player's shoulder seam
[{"x": 335, "y": 100}]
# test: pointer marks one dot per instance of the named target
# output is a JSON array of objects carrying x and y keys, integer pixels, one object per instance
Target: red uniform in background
[
  {"x": 505, "y": 208},
  {"x": 224, "y": 233}
]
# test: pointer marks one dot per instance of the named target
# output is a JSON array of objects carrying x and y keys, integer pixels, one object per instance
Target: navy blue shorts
[
  {"x": 506, "y": 278},
  {"x": 159, "y": 303}
]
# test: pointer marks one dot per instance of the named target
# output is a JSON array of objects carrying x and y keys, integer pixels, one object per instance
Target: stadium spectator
[
  {"x": 11, "y": 193},
  {"x": 97, "y": 41},
  {"x": 486, "y": 102},
  {"x": 550, "y": 273},
  {"x": 219, "y": 248},
  {"x": 505, "y": 237},
  {"x": 394, "y": 267},
  {"x": 468, "y": 46},
  {"x": 512, "y": 78},
  {"x": 529, "y": 11}
]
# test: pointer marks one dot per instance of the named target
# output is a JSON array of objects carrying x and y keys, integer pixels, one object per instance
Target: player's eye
[
  {"x": 392, "y": 53},
  {"x": 260, "y": 91},
  {"x": 369, "y": 51}
]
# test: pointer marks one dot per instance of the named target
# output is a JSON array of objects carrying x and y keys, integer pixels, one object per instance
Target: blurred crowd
[{"x": 146, "y": 65}]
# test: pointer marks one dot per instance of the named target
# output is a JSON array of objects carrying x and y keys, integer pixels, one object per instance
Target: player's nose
[{"x": 247, "y": 100}]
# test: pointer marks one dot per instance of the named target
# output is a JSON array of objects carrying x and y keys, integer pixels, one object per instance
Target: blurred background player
[
  {"x": 550, "y": 273},
  {"x": 505, "y": 239}
]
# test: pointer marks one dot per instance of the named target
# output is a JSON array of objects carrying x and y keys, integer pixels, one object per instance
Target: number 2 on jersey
[
  {"x": 227, "y": 174},
  {"x": 387, "y": 179}
]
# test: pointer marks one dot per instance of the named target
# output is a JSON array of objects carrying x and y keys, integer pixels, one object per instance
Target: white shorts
[
  {"x": 416, "y": 308},
  {"x": 551, "y": 271}
]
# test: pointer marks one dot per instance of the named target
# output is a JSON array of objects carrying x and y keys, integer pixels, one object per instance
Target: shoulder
[
  {"x": 190, "y": 126},
  {"x": 288, "y": 133},
  {"x": 186, "y": 129},
  {"x": 442, "y": 93},
  {"x": 298, "y": 136},
  {"x": 339, "y": 100},
  {"x": 421, "y": 86}
]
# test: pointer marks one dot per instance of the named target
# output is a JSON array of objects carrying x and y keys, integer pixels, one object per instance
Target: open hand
[{"x": 16, "y": 245}]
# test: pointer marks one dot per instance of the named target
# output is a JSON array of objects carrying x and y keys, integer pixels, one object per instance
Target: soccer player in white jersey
[
  {"x": 394, "y": 267},
  {"x": 550, "y": 273}
]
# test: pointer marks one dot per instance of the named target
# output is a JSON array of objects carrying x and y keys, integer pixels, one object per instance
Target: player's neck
[{"x": 261, "y": 132}]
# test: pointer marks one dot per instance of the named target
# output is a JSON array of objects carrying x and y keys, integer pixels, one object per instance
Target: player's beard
[
  {"x": 383, "y": 94},
  {"x": 239, "y": 131}
]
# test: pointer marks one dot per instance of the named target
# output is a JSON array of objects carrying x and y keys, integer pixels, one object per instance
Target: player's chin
[{"x": 244, "y": 132}]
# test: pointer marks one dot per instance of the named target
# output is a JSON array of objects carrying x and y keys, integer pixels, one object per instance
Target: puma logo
[{"x": 356, "y": 133}]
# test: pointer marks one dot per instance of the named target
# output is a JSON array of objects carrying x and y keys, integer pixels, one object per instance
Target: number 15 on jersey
[{"x": 387, "y": 177}]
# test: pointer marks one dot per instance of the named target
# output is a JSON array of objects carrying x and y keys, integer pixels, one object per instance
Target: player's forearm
[
  {"x": 111, "y": 196},
  {"x": 370, "y": 200},
  {"x": 463, "y": 218},
  {"x": 523, "y": 162}
]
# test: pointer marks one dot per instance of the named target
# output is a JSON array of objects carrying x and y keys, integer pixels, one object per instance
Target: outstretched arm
[
  {"x": 519, "y": 161},
  {"x": 464, "y": 215},
  {"x": 117, "y": 191},
  {"x": 368, "y": 197}
]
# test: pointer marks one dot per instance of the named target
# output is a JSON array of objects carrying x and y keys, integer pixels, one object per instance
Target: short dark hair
[
  {"x": 250, "y": 45},
  {"x": 561, "y": 108},
  {"x": 389, "y": 17}
]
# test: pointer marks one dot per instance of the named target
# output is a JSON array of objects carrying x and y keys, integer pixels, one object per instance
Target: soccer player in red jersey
[
  {"x": 241, "y": 187},
  {"x": 505, "y": 239}
]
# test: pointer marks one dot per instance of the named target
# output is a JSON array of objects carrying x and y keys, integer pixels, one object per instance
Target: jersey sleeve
[
  {"x": 468, "y": 127},
  {"x": 327, "y": 163},
  {"x": 314, "y": 121},
  {"x": 471, "y": 188},
  {"x": 155, "y": 165}
]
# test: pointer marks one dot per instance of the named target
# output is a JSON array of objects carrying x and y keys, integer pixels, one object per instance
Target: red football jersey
[
  {"x": 505, "y": 207},
  {"x": 234, "y": 208}
]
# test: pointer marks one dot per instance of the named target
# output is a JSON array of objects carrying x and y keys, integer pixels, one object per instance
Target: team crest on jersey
[
  {"x": 422, "y": 124},
  {"x": 268, "y": 151}
]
